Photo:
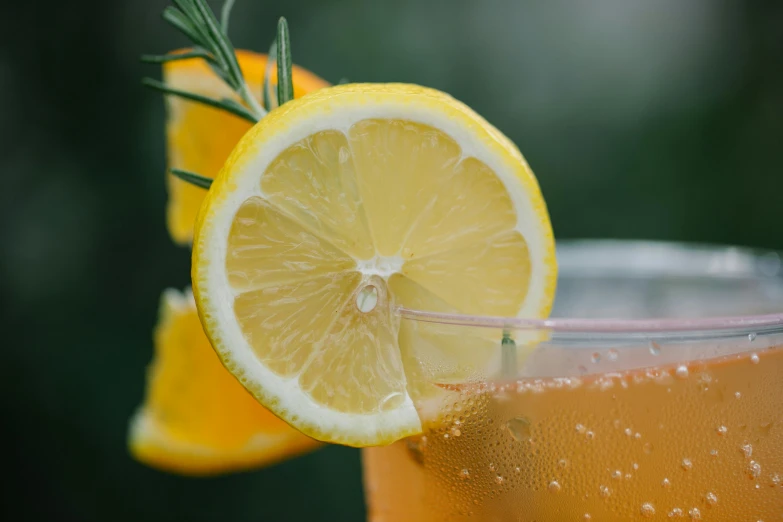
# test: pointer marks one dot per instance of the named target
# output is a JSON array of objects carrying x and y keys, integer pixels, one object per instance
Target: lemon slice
[
  {"x": 196, "y": 419},
  {"x": 199, "y": 138},
  {"x": 339, "y": 207}
]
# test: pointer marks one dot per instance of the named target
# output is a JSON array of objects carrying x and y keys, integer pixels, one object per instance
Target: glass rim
[{"x": 728, "y": 262}]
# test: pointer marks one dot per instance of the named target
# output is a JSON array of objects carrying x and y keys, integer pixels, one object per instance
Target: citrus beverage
[
  {"x": 695, "y": 440},
  {"x": 606, "y": 423}
]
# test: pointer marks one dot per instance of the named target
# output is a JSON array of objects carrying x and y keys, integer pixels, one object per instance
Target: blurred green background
[{"x": 659, "y": 120}]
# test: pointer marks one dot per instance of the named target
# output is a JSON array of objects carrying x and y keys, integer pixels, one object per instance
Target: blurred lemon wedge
[
  {"x": 196, "y": 418},
  {"x": 339, "y": 207},
  {"x": 200, "y": 138}
]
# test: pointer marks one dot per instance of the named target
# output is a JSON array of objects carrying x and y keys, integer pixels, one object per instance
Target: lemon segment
[
  {"x": 334, "y": 210},
  {"x": 199, "y": 138}
]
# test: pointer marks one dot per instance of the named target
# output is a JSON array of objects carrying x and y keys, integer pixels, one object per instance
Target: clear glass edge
[{"x": 740, "y": 262}]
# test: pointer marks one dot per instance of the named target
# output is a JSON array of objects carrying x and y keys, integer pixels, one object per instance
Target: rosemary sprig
[
  {"x": 198, "y": 23},
  {"x": 192, "y": 178},
  {"x": 285, "y": 85},
  {"x": 226, "y": 104}
]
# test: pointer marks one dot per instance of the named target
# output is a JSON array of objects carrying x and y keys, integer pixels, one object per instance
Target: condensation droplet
[
  {"x": 647, "y": 510},
  {"x": 580, "y": 428},
  {"x": 722, "y": 430},
  {"x": 616, "y": 424},
  {"x": 655, "y": 348},
  {"x": 681, "y": 372},
  {"x": 554, "y": 487},
  {"x": 628, "y": 431},
  {"x": 647, "y": 448},
  {"x": 627, "y": 476},
  {"x": 589, "y": 435},
  {"x": 635, "y": 466},
  {"x": 519, "y": 428},
  {"x": 746, "y": 450},
  {"x": 711, "y": 498},
  {"x": 714, "y": 452},
  {"x": 492, "y": 466},
  {"x": 587, "y": 517},
  {"x": 686, "y": 464},
  {"x": 776, "y": 479},
  {"x": 676, "y": 513},
  {"x": 754, "y": 358},
  {"x": 563, "y": 463},
  {"x": 617, "y": 474},
  {"x": 637, "y": 435},
  {"x": 517, "y": 469},
  {"x": 604, "y": 491},
  {"x": 666, "y": 483},
  {"x": 737, "y": 395},
  {"x": 612, "y": 354},
  {"x": 754, "y": 469},
  {"x": 751, "y": 337},
  {"x": 595, "y": 357},
  {"x": 498, "y": 479},
  {"x": 464, "y": 474},
  {"x": 694, "y": 513}
]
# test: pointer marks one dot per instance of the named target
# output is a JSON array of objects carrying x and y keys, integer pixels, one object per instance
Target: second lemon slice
[{"x": 337, "y": 208}]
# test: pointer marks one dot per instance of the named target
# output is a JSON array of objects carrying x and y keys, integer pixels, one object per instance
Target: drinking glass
[{"x": 655, "y": 392}]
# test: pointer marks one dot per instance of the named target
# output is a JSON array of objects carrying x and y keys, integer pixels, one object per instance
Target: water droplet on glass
[
  {"x": 416, "y": 449},
  {"x": 686, "y": 464},
  {"x": 666, "y": 483},
  {"x": 754, "y": 469},
  {"x": 655, "y": 348},
  {"x": 776, "y": 479},
  {"x": 714, "y": 452},
  {"x": 754, "y": 358},
  {"x": 647, "y": 448},
  {"x": 681, "y": 372},
  {"x": 694, "y": 513},
  {"x": 492, "y": 466},
  {"x": 464, "y": 474},
  {"x": 635, "y": 466},
  {"x": 580, "y": 429},
  {"x": 589, "y": 435},
  {"x": 675, "y": 513},
  {"x": 711, "y": 498},
  {"x": 612, "y": 354},
  {"x": 604, "y": 491},
  {"x": 616, "y": 424},
  {"x": 595, "y": 357},
  {"x": 751, "y": 337},
  {"x": 456, "y": 432},
  {"x": 737, "y": 395},
  {"x": 519, "y": 428},
  {"x": 747, "y": 450},
  {"x": 628, "y": 431},
  {"x": 647, "y": 510},
  {"x": 563, "y": 463},
  {"x": 587, "y": 517},
  {"x": 517, "y": 469},
  {"x": 637, "y": 435},
  {"x": 498, "y": 479},
  {"x": 617, "y": 474},
  {"x": 722, "y": 430},
  {"x": 554, "y": 487}
]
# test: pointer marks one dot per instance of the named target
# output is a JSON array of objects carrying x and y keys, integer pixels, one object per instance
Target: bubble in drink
[{"x": 647, "y": 510}]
